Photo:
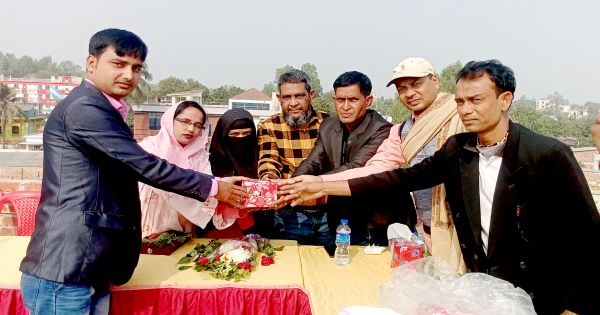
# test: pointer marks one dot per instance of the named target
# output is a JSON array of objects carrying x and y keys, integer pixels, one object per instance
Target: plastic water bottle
[{"x": 342, "y": 242}]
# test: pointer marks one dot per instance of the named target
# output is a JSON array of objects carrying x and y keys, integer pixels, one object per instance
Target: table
[
  {"x": 332, "y": 288},
  {"x": 157, "y": 287},
  {"x": 301, "y": 276}
]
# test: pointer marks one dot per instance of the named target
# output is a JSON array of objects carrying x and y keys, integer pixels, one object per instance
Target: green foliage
[
  {"x": 554, "y": 126},
  {"x": 524, "y": 102},
  {"x": 448, "y": 77},
  {"x": 225, "y": 263},
  {"x": 221, "y": 95},
  {"x": 399, "y": 112},
  {"x": 311, "y": 71},
  {"x": 325, "y": 103},
  {"x": 166, "y": 238},
  {"x": 43, "y": 68},
  {"x": 143, "y": 91},
  {"x": 269, "y": 88},
  {"x": 308, "y": 68},
  {"x": 173, "y": 85}
]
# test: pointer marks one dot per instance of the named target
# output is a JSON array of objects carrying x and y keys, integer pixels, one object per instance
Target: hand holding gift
[{"x": 262, "y": 195}]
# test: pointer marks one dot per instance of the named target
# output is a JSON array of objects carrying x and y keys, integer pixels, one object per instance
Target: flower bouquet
[
  {"x": 232, "y": 259},
  {"x": 164, "y": 243}
]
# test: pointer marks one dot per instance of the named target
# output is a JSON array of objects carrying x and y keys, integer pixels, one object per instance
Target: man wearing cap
[
  {"x": 512, "y": 193},
  {"x": 434, "y": 118}
]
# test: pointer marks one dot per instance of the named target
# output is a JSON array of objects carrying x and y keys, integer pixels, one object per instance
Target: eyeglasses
[{"x": 187, "y": 123}]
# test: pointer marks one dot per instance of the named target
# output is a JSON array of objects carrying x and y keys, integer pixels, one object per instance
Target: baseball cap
[{"x": 411, "y": 68}]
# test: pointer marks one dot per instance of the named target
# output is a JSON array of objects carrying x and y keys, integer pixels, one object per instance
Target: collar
[{"x": 121, "y": 106}]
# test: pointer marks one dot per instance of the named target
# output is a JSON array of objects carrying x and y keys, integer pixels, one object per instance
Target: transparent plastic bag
[{"x": 429, "y": 286}]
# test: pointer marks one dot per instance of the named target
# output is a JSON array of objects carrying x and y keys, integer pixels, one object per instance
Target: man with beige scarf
[{"x": 433, "y": 120}]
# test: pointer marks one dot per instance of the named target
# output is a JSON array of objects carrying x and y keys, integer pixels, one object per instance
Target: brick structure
[{"x": 19, "y": 170}]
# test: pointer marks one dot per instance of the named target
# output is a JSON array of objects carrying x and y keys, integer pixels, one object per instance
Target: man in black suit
[
  {"x": 521, "y": 205},
  {"x": 87, "y": 234}
]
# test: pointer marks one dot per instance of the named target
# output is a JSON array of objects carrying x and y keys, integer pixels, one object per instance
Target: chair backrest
[{"x": 25, "y": 204}]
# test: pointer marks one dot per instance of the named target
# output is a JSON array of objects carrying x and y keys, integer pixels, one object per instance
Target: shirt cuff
[{"x": 214, "y": 189}]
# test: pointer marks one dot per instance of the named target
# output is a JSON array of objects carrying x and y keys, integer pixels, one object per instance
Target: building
[
  {"x": 47, "y": 92},
  {"x": 257, "y": 103},
  {"x": 178, "y": 97},
  {"x": 146, "y": 118},
  {"x": 544, "y": 105},
  {"x": 32, "y": 122}
]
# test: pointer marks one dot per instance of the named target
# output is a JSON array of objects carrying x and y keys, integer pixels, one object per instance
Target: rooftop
[{"x": 251, "y": 95}]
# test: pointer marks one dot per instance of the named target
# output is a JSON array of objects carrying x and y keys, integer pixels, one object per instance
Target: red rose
[
  {"x": 203, "y": 261},
  {"x": 266, "y": 260},
  {"x": 217, "y": 258},
  {"x": 244, "y": 265}
]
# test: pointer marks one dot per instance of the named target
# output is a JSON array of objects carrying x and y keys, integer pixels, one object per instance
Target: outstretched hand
[
  {"x": 298, "y": 192},
  {"x": 230, "y": 193}
]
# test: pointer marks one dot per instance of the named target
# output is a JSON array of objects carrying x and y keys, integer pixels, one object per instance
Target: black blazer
[
  {"x": 88, "y": 221},
  {"x": 545, "y": 228}
]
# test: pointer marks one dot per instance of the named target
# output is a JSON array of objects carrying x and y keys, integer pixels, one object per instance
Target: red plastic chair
[{"x": 25, "y": 204}]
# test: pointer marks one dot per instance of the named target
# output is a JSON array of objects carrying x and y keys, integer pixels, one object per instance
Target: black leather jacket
[{"x": 361, "y": 145}]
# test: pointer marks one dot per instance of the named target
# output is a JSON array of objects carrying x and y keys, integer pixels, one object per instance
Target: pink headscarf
[{"x": 194, "y": 157}]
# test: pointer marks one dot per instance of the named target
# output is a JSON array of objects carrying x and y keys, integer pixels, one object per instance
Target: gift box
[
  {"x": 404, "y": 251},
  {"x": 263, "y": 194},
  {"x": 164, "y": 243}
]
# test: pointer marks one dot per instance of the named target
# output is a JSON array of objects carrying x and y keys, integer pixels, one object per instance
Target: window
[
  {"x": 250, "y": 106},
  {"x": 15, "y": 130},
  {"x": 154, "y": 121}
]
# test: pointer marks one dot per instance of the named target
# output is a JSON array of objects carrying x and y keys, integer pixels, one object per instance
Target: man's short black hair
[
  {"x": 500, "y": 74},
  {"x": 124, "y": 42},
  {"x": 354, "y": 77}
]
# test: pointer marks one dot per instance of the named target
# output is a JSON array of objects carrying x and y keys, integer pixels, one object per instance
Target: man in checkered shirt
[{"x": 285, "y": 140}]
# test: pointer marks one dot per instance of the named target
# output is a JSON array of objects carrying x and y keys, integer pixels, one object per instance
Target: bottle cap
[{"x": 344, "y": 221}]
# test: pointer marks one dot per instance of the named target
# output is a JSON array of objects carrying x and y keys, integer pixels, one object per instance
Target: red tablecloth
[{"x": 217, "y": 301}]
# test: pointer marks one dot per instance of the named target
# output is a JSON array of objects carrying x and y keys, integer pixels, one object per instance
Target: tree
[
  {"x": 557, "y": 99},
  {"x": 143, "y": 90},
  {"x": 8, "y": 110},
  {"x": 524, "y": 101},
  {"x": 325, "y": 103},
  {"x": 308, "y": 68},
  {"x": 26, "y": 66},
  {"x": 221, "y": 95},
  {"x": 173, "y": 85},
  {"x": 448, "y": 77},
  {"x": 399, "y": 112},
  {"x": 269, "y": 88},
  {"x": 311, "y": 71}
]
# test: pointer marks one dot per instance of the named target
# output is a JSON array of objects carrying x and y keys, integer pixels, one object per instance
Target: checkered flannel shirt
[{"x": 282, "y": 148}]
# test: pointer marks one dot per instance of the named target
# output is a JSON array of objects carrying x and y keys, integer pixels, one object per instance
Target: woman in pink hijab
[{"x": 182, "y": 140}]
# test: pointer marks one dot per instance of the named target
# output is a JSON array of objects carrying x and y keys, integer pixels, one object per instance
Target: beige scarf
[{"x": 440, "y": 120}]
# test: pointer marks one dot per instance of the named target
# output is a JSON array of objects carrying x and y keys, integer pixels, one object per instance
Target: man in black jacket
[
  {"x": 348, "y": 141},
  {"x": 87, "y": 234},
  {"x": 512, "y": 194}
]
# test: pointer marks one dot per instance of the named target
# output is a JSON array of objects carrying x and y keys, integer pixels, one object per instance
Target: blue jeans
[
  {"x": 43, "y": 296},
  {"x": 306, "y": 229}
]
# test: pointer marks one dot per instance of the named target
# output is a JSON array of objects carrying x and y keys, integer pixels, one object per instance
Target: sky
[{"x": 551, "y": 45}]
